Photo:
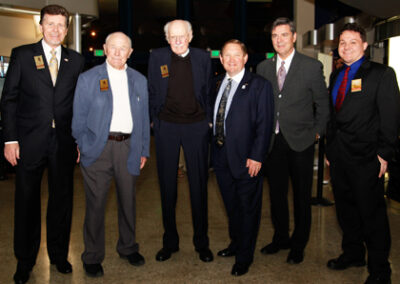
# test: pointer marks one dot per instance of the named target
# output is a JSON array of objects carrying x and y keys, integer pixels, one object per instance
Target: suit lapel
[
  {"x": 294, "y": 65},
  {"x": 164, "y": 82},
  {"x": 108, "y": 92},
  {"x": 195, "y": 65},
  {"x": 241, "y": 90},
  {"x": 64, "y": 64},
  {"x": 43, "y": 74}
]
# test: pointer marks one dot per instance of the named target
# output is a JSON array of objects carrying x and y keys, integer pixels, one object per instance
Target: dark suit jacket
[
  {"x": 303, "y": 106},
  {"x": 368, "y": 122},
  {"x": 30, "y": 101},
  {"x": 248, "y": 125},
  {"x": 158, "y": 86}
]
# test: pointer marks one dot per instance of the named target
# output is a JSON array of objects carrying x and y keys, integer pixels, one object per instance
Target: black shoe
[
  {"x": 93, "y": 270},
  {"x": 378, "y": 280},
  {"x": 164, "y": 254},
  {"x": 295, "y": 256},
  {"x": 226, "y": 252},
  {"x": 274, "y": 248},
  {"x": 205, "y": 255},
  {"x": 240, "y": 269},
  {"x": 63, "y": 266},
  {"x": 21, "y": 276},
  {"x": 135, "y": 258},
  {"x": 342, "y": 263}
]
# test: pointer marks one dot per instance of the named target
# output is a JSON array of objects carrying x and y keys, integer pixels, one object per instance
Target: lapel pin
[
  {"x": 244, "y": 86},
  {"x": 66, "y": 59}
]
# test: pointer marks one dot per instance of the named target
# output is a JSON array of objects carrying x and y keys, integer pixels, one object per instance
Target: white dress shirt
[
  {"x": 235, "y": 83},
  {"x": 121, "y": 120}
]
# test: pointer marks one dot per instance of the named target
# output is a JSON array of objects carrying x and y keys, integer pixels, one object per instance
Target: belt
[{"x": 119, "y": 137}]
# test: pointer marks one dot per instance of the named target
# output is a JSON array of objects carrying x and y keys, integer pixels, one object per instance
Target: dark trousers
[
  {"x": 361, "y": 212},
  {"x": 284, "y": 163},
  {"x": 97, "y": 178},
  {"x": 194, "y": 139},
  {"x": 27, "y": 226},
  {"x": 243, "y": 199}
]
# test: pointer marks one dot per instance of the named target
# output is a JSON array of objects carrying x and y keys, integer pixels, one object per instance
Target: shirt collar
[
  {"x": 112, "y": 69},
  {"x": 356, "y": 64},
  {"x": 237, "y": 78},
  {"x": 288, "y": 60},
  {"x": 47, "y": 48},
  {"x": 183, "y": 55}
]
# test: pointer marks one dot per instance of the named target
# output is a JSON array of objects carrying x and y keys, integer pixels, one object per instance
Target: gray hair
[
  {"x": 188, "y": 28},
  {"x": 111, "y": 34},
  {"x": 284, "y": 21}
]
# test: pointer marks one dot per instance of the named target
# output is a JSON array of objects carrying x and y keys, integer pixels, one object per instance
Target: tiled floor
[{"x": 184, "y": 266}]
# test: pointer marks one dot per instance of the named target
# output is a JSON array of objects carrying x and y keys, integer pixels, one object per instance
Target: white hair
[
  {"x": 188, "y": 28},
  {"x": 109, "y": 36}
]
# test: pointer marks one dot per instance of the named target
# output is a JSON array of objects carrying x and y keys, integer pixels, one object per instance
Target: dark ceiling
[{"x": 381, "y": 9}]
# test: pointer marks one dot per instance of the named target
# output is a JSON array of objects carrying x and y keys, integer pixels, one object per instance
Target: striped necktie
[
  {"x": 53, "y": 66},
  {"x": 342, "y": 90},
  {"x": 220, "y": 119}
]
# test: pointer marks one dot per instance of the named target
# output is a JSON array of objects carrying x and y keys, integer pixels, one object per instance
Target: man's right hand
[{"x": 11, "y": 153}]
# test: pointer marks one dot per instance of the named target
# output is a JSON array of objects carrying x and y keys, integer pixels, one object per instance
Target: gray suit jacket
[
  {"x": 93, "y": 112},
  {"x": 303, "y": 103}
]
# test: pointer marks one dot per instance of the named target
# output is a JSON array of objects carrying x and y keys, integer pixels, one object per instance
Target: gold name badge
[
  {"x": 356, "y": 85},
  {"x": 164, "y": 71},
  {"x": 104, "y": 85},
  {"x": 39, "y": 62}
]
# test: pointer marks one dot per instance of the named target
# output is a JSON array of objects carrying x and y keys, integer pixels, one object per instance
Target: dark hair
[
  {"x": 355, "y": 28},
  {"x": 235, "y": 41},
  {"x": 54, "y": 10},
  {"x": 284, "y": 21}
]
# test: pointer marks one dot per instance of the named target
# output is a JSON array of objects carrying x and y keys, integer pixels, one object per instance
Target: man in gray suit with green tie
[{"x": 301, "y": 112}]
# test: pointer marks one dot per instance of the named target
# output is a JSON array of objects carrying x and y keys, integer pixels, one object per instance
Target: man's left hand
[
  {"x": 142, "y": 162},
  {"x": 254, "y": 167},
  {"x": 383, "y": 166}
]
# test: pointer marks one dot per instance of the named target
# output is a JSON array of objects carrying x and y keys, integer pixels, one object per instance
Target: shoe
[
  {"x": 205, "y": 255},
  {"x": 63, "y": 266},
  {"x": 226, "y": 252},
  {"x": 136, "y": 259},
  {"x": 164, "y": 254},
  {"x": 274, "y": 248},
  {"x": 378, "y": 280},
  {"x": 295, "y": 256},
  {"x": 21, "y": 276},
  {"x": 342, "y": 263},
  {"x": 93, "y": 270},
  {"x": 239, "y": 269}
]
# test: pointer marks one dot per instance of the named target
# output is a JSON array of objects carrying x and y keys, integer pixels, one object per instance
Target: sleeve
[
  {"x": 80, "y": 110},
  {"x": 321, "y": 100},
  {"x": 152, "y": 87},
  {"x": 264, "y": 105},
  {"x": 146, "y": 125},
  {"x": 9, "y": 99},
  {"x": 388, "y": 103}
]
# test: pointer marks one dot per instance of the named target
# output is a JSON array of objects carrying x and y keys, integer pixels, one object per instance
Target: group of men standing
[{"x": 269, "y": 119}]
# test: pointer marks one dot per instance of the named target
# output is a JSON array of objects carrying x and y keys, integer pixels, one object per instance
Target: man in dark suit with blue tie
[
  {"x": 179, "y": 84},
  {"x": 243, "y": 116},
  {"x": 361, "y": 138},
  {"x": 301, "y": 112},
  {"x": 36, "y": 110}
]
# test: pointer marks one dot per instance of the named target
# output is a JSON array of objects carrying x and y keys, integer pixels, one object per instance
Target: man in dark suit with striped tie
[{"x": 36, "y": 110}]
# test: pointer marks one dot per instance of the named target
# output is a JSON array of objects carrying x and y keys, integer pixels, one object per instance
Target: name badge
[
  {"x": 164, "y": 71},
  {"x": 356, "y": 85},
  {"x": 104, "y": 85},
  {"x": 39, "y": 62}
]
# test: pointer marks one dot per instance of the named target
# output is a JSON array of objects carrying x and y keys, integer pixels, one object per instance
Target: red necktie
[{"x": 342, "y": 90}]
